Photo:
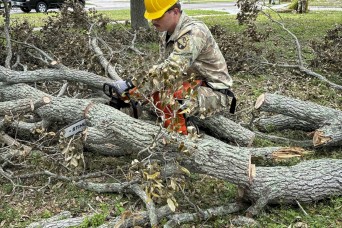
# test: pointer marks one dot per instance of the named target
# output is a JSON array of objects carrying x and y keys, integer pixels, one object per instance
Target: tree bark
[
  {"x": 327, "y": 120},
  {"x": 226, "y": 130},
  {"x": 282, "y": 122},
  {"x": 137, "y": 15},
  {"x": 306, "y": 182}
]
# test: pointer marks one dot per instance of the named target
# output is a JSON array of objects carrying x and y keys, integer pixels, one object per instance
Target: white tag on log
[{"x": 74, "y": 128}]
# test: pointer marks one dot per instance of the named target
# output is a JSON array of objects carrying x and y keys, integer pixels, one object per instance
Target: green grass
[
  {"x": 123, "y": 15},
  {"x": 326, "y": 213},
  {"x": 37, "y": 19}
]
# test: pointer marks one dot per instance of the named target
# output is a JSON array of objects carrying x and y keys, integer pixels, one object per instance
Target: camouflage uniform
[{"x": 192, "y": 52}]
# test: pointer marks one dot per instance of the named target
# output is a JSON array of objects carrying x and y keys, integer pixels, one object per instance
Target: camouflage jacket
[{"x": 193, "y": 49}]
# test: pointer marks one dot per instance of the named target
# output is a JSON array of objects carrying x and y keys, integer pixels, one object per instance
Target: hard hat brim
[{"x": 152, "y": 16}]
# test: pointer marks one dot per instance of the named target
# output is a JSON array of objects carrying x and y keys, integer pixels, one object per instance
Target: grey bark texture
[
  {"x": 227, "y": 130},
  {"x": 281, "y": 122},
  {"x": 328, "y": 121},
  {"x": 306, "y": 182},
  {"x": 137, "y": 14}
]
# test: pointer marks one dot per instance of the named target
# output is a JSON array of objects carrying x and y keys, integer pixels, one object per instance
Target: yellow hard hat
[{"x": 156, "y": 8}]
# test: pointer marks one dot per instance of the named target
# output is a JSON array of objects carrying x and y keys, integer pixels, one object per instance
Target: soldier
[{"x": 191, "y": 66}]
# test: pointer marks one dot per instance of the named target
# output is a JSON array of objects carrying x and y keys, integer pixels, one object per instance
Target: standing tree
[
  {"x": 137, "y": 14},
  {"x": 7, "y": 34}
]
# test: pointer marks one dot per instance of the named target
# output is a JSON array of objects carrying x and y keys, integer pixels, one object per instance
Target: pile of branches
[
  {"x": 328, "y": 53},
  {"x": 70, "y": 44}
]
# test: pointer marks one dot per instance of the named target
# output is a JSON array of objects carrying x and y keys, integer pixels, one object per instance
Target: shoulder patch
[{"x": 183, "y": 42}]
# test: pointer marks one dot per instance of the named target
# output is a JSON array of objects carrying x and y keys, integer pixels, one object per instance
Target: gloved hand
[{"x": 123, "y": 86}]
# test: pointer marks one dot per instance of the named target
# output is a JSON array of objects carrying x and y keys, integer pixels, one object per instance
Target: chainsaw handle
[{"x": 109, "y": 89}]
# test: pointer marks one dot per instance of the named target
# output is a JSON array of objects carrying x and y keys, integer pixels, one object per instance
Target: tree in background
[
  {"x": 301, "y": 6},
  {"x": 137, "y": 14}
]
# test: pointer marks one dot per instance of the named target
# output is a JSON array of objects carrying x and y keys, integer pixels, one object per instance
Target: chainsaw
[{"x": 118, "y": 101}]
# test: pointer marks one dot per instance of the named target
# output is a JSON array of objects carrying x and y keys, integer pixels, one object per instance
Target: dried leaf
[
  {"x": 184, "y": 170},
  {"x": 187, "y": 110},
  {"x": 171, "y": 204},
  {"x": 173, "y": 184},
  {"x": 155, "y": 195},
  {"x": 181, "y": 146},
  {"x": 74, "y": 162},
  {"x": 153, "y": 176}
]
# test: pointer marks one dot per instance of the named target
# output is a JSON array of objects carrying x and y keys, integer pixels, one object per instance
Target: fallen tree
[
  {"x": 308, "y": 181},
  {"x": 27, "y": 109}
]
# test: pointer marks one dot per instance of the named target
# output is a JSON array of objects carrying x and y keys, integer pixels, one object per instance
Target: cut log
[
  {"x": 328, "y": 135},
  {"x": 13, "y": 77},
  {"x": 22, "y": 105},
  {"x": 327, "y": 121},
  {"x": 227, "y": 130},
  {"x": 302, "y": 110},
  {"x": 282, "y": 122},
  {"x": 306, "y": 182},
  {"x": 16, "y": 148}
]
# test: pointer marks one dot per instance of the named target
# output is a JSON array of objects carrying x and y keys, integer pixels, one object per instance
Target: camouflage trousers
[{"x": 207, "y": 103}]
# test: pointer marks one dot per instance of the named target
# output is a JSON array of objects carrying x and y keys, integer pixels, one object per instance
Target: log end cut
[
  {"x": 46, "y": 100},
  {"x": 320, "y": 139},
  {"x": 260, "y": 100}
]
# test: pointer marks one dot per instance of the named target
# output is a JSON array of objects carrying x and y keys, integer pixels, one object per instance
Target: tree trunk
[
  {"x": 302, "y": 6},
  {"x": 137, "y": 15}
]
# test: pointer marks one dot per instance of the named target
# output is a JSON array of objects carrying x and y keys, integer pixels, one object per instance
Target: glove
[{"x": 122, "y": 86}]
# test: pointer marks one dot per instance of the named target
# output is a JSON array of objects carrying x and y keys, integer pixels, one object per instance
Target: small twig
[
  {"x": 152, "y": 145},
  {"x": 149, "y": 204},
  {"x": 133, "y": 48},
  {"x": 63, "y": 89},
  {"x": 197, "y": 208},
  {"x": 300, "y": 206}
]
